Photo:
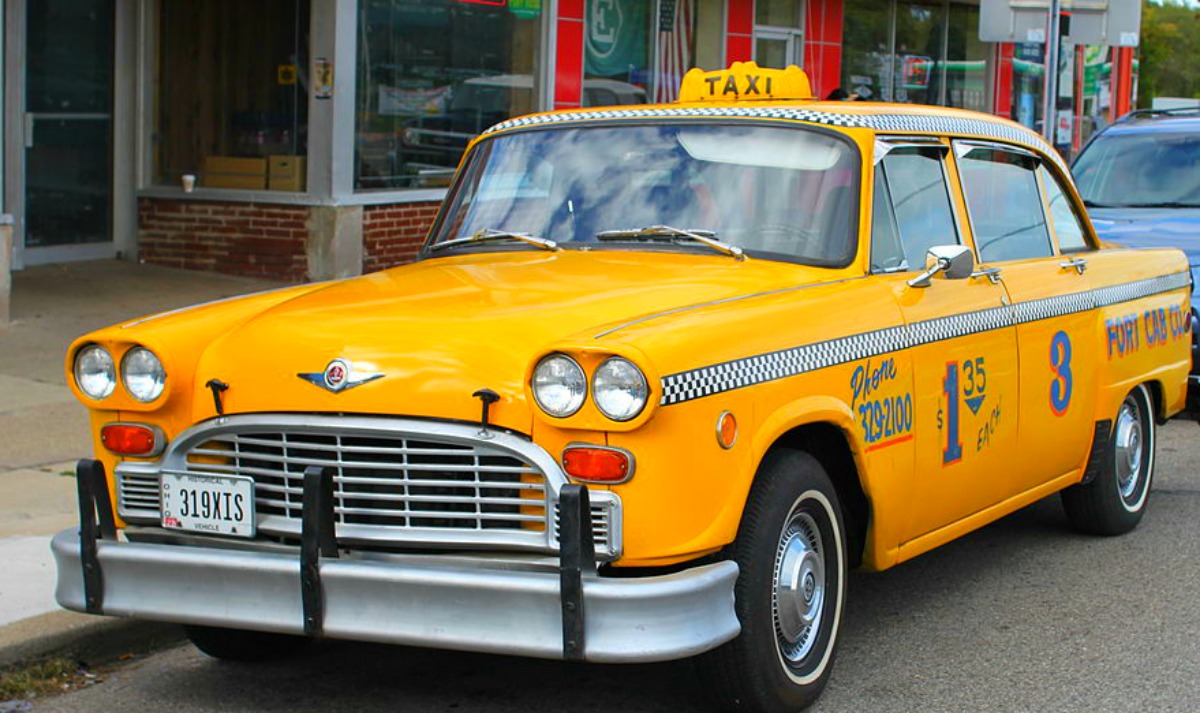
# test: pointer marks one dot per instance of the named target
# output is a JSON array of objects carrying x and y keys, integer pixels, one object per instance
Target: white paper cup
[{"x": 189, "y": 182}]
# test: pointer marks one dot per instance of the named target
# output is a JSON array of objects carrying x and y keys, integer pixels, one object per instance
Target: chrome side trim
[{"x": 411, "y": 600}]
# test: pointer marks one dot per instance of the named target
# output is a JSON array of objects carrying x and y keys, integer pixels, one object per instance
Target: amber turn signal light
[
  {"x": 132, "y": 439},
  {"x": 598, "y": 464},
  {"x": 726, "y": 430}
]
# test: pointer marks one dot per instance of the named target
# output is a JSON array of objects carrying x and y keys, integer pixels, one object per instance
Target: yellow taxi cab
[{"x": 661, "y": 376}]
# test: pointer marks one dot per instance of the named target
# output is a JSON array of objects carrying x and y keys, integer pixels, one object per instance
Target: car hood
[
  {"x": 1152, "y": 228},
  {"x": 440, "y": 330}
]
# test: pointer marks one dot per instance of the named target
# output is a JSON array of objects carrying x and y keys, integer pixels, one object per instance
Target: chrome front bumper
[
  {"x": 409, "y": 600},
  {"x": 543, "y": 607}
]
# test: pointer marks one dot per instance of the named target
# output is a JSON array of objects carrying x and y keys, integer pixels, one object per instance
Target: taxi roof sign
[{"x": 745, "y": 80}]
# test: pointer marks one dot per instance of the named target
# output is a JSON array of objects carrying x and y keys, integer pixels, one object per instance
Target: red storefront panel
[
  {"x": 739, "y": 36},
  {"x": 568, "y": 56}
]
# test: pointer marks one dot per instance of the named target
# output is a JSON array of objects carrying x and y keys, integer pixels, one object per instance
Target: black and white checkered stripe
[
  {"x": 884, "y": 123},
  {"x": 748, "y": 371}
]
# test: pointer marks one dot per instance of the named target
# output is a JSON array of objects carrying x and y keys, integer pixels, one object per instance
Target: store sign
[
  {"x": 525, "y": 9},
  {"x": 615, "y": 37},
  {"x": 1115, "y": 23},
  {"x": 322, "y": 78}
]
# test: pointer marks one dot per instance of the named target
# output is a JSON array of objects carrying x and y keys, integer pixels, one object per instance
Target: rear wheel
[
  {"x": 792, "y": 558},
  {"x": 1115, "y": 500},
  {"x": 240, "y": 645}
]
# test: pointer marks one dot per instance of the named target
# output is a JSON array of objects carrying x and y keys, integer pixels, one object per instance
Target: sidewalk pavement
[{"x": 43, "y": 430}]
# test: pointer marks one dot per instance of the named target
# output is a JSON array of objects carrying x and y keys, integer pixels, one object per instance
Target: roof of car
[
  {"x": 1150, "y": 120},
  {"x": 882, "y": 117}
]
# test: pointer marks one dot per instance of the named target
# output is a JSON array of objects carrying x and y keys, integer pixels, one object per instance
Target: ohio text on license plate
[{"x": 216, "y": 504}]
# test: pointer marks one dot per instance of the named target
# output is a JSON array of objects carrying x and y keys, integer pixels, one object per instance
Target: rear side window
[
  {"x": 912, "y": 210},
  {"x": 1004, "y": 203}
]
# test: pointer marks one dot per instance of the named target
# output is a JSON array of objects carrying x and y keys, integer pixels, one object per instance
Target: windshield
[
  {"x": 1132, "y": 170},
  {"x": 789, "y": 193}
]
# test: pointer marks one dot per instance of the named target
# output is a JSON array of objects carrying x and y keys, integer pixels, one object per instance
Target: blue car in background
[{"x": 1140, "y": 181}]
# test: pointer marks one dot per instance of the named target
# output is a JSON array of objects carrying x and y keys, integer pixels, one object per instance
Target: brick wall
[
  {"x": 233, "y": 238},
  {"x": 393, "y": 233}
]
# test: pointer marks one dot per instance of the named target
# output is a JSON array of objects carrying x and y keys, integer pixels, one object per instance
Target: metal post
[{"x": 1050, "y": 76}]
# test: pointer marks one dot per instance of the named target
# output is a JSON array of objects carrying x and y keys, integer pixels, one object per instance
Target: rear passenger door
[
  {"x": 963, "y": 347},
  {"x": 1013, "y": 229}
]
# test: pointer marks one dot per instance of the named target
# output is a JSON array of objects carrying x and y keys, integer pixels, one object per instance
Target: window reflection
[
  {"x": 233, "y": 106},
  {"x": 785, "y": 192},
  {"x": 914, "y": 51},
  {"x": 431, "y": 75},
  {"x": 1007, "y": 216}
]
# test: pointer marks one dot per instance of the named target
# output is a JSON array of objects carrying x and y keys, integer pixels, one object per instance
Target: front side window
[
  {"x": 1142, "y": 170},
  {"x": 912, "y": 211},
  {"x": 1007, "y": 217},
  {"x": 431, "y": 76},
  {"x": 783, "y": 193}
]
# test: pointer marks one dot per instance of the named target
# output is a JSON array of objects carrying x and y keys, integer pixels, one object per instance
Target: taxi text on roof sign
[{"x": 745, "y": 80}]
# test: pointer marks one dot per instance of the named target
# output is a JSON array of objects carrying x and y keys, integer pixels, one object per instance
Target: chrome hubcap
[
  {"x": 799, "y": 587},
  {"x": 1128, "y": 439}
]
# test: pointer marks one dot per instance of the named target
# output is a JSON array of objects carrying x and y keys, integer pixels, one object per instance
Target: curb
[{"x": 92, "y": 639}]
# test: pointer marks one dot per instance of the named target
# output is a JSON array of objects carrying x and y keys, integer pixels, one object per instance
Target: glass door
[{"x": 68, "y": 130}]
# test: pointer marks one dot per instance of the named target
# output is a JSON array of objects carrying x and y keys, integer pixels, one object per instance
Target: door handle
[
  {"x": 991, "y": 273},
  {"x": 1080, "y": 264},
  {"x": 29, "y": 130}
]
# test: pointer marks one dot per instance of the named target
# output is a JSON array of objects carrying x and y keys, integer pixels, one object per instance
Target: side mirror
[{"x": 957, "y": 262}]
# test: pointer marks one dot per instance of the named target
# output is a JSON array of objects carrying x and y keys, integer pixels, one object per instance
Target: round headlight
[
  {"x": 95, "y": 373},
  {"x": 143, "y": 374},
  {"x": 559, "y": 385},
  {"x": 620, "y": 389}
]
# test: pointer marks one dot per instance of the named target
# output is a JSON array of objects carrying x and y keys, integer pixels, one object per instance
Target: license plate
[{"x": 213, "y": 504}]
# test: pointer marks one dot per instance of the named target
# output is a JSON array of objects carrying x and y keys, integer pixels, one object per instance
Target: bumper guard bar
[{"x": 636, "y": 619}]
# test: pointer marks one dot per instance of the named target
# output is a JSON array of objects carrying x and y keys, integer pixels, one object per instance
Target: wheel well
[
  {"x": 1156, "y": 397},
  {"x": 829, "y": 446}
]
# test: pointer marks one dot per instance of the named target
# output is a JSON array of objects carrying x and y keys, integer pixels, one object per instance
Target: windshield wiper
[
  {"x": 660, "y": 232},
  {"x": 489, "y": 234}
]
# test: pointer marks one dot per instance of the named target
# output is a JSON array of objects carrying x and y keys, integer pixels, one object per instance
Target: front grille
[
  {"x": 383, "y": 481},
  {"x": 394, "y": 485}
]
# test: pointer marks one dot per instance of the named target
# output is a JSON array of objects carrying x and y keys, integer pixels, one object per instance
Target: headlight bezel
[
  {"x": 575, "y": 402},
  {"x": 109, "y": 370},
  {"x": 640, "y": 395},
  {"x": 158, "y": 385}
]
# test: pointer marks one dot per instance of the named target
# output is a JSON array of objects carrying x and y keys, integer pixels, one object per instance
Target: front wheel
[
  {"x": 1115, "y": 500},
  {"x": 791, "y": 553}
]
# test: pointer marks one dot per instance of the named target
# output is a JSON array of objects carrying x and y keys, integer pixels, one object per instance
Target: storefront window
[
  {"x": 233, "y": 105},
  {"x": 1028, "y": 83},
  {"x": 915, "y": 51},
  {"x": 867, "y": 49},
  {"x": 678, "y": 32},
  {"x": 616, "y": 58},
  {"x": 432, "y": 74},
  {"x": 778, "y": 34},
  {"x": 966, "y": 61},
  {"x": 780, "y": 13},
  {"x": 918, "y": 49}
]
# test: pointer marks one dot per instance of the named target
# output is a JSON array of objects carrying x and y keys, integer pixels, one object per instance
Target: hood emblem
[{"x": 339, "y": 376}]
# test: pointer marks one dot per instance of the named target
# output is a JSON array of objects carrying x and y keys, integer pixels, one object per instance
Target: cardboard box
[
  {"x": 232, "y": 172},
  {"x": 286, "y": 173}
]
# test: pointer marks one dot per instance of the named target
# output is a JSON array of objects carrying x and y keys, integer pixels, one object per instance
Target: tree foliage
[{"x": 1169, "y": 55}]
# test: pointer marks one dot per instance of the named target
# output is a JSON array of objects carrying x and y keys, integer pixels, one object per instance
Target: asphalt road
[{"x": 1023, "y": 615}]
